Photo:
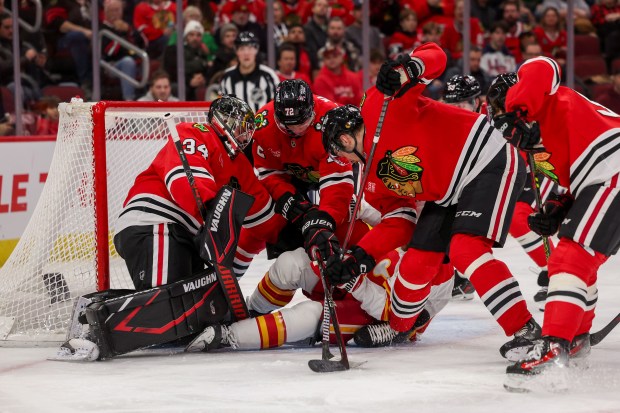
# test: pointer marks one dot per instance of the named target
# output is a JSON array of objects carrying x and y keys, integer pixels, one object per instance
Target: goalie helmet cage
[{"x": 66, "y": 249}]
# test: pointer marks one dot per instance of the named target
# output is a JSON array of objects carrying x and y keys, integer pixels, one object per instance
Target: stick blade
[{"x": 326, "y": 366}]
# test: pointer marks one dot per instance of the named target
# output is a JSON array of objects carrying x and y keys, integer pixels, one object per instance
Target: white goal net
[{"x": 66, "y": 249}]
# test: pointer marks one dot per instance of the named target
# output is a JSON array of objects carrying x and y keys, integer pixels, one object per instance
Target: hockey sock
[
  {"x": 572, "y": 289},
  {"x": 373, "y": 298},
  {"x": 498, "y": 289},
  {"x": 531, "y": 242},
  {"x": 268, "y": 297},
  {"x": 412, "y": 286},
  {"x": 441, "y": 289},
  {"x": 273, "y": 330}
]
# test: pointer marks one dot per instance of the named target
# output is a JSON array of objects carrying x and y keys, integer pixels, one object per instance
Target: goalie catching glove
[
  {"x": 355, "y": 263},
  {"x": 293, "y": 207},
  {"x": 518, "y": 132},
  {"x": 398, "y": 76},
  {"x": 547, "y": 221},
  {"x": 318, "y": 231}
]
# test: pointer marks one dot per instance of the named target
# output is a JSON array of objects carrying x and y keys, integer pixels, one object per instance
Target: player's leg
[{"x": 290, "y": 271}]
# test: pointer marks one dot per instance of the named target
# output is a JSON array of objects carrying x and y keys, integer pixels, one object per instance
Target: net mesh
[{"x": 55, "y": 260}]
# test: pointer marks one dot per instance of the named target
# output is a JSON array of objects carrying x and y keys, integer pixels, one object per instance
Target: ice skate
[
  {"x": 212, "y": 338},
  {"x": 517, "y": 348},
  {"x": 544, "y": 368},
  {"x": 382, "y": 334},
  {"x": 541, "y": 296},
  {"x": 463, "y": 289},
  {"x": 77, "y": 349}
]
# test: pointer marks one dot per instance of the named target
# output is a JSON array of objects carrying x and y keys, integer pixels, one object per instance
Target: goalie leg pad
[{"x": 159, "y": 315}]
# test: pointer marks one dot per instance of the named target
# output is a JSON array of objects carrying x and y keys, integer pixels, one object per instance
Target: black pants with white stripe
[{"x": 158, "y": 254}]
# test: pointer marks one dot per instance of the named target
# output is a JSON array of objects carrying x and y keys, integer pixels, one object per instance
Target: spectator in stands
[
  {"x": 68, "y": 33},
  {"x": 496, "y": 58},
  {"x": 606, "y": 19},
  {"x": 6, "y": 126},
  {"x": 47, "y": 121},
  {"x": 440, "y": 11},
  {"x": 354, "y": 31},
  {"x": 452, "y": 37},
  {"x": 550, "y": 35},
  {"x": 159, "y": 88},
  {"x": 195, "y": 57},
  {"x": 407, "y": 37},
  {"x": 475, "y": 56},
  {"x": 193, "y": 13},
  {"x": 336, "y": 82},
  {"x": 112, "y": 51},
  {"x": 384, "y": 15},
  {"x": 485, "y": 11},
  {"x": 316, "y": 31},
  {"x": 297, "y": 37},
  {"x": 611, "y": 98},
  {"x": 155, "y": 19},
  {"x": 248, "y": 80},
  {"x": 240, "y": 17},
  {"x": 431, "y": 32},
  {"x": 336, "y": 37},
  {"x": 286, "y": 61},
  {"x": 531, "y": 51},
  {"x": 512, "y": 16},
  {"x": 225, "y": 56},
  {"x": 377, "y": 57},
  {"x": 280, "y": 30},
  {"x": 581, "y": 8}
]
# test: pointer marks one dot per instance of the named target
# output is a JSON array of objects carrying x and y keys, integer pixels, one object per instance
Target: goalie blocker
[{"x": 120, "y": 321}]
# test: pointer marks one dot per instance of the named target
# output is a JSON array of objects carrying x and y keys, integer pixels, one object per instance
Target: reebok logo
[
  {"x": 201, "y": 282},
  {"x": 221, "y": 204}
]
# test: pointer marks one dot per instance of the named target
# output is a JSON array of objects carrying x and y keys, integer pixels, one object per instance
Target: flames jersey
[
  {"x": 162, "y": 194},
  {"x": 284, "y": 164},
  {"x": 581, "y": 136},
  {"x": 427, "y": 150}
]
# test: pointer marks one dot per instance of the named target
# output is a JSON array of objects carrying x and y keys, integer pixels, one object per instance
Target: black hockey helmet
[
  {"x": 343, "y": 119},
  {"x": 293, "y": 106},
  {"x": 461, "y": 88},
  {"x": 496, "y": 96},
  {"x": 246, "y": 39},
  {"x": 233, "y": 120}
]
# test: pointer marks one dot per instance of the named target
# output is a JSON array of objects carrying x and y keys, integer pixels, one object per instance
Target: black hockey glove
[
  {"x": 293, "y": 207},
  {"x": 318, "y": 231},
  {"x": 355, "y": 263},
  {"x": 547, "y": 221},
  {"x": 517, "y": 131},
  {"x": 398, "y": 76}
]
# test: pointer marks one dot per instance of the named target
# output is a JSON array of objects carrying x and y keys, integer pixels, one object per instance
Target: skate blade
[
  {"x": 545, "y": 382},
  {"x": 196, "y": 346},
  {"x": 76, "y": 357},
  {"x": 517, "y": 354},
  {"x": 330, "y": 366}
]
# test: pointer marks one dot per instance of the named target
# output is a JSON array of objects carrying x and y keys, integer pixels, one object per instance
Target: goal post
[{"x": 66, "y": 249}]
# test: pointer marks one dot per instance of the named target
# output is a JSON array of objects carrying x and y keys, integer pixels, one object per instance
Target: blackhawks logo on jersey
[
  {"x": 303, "y": 173},
  {"x": 260, "y": 120},
  {"x": 545, "y": 167},
  {"x": 201, "y": 127},
  {"x": 399, "y": 173}
]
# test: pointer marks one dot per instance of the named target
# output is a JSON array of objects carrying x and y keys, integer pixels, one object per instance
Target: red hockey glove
[
  {"x": 355, "y": 263},
  {"x": 547, "y": 221},
  {"x": 293, "y": 207},
  {"x": 517, "y": 131},
  {"x": 318, "y": 231},
  {"x": 398, "y": 76}
]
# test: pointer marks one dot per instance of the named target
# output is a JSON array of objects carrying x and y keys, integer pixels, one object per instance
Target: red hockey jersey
[
  {"x": 278, "y": 158},
  {"x": 162, "y": 194},
  {"x": 427, "y": 150},
  {"x": 582, "y": 136}
]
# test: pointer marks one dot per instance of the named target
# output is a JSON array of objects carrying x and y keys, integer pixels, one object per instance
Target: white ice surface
[{"x": 456, "y": 367}]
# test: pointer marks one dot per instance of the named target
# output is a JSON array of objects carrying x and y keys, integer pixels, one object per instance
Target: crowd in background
[{"x": 319, "y": 41}]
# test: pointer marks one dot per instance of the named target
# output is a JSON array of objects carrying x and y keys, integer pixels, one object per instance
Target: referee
[{"x": 249, "y": 81}]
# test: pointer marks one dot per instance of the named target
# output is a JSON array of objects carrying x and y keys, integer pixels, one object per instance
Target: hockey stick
[
  {"x": 536, "y": 187},
  {"x": 597, "y": 337},
  {"x": 228, "y": 281}
]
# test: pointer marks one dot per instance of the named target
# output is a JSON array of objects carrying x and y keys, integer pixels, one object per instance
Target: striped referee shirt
[{"x": 256, "y": 88}]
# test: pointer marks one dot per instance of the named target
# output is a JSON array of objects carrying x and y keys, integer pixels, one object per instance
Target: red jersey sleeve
[
  {"x": 336, "y": 188},
  {"x": 538, "y": 78},
  {"x": 269, "y": 168}
]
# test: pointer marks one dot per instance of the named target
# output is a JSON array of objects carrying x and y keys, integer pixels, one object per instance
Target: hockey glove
[
  {"x": 517, "y": 131},
  {"x": 547, "y": 221},
  {"x": 398, "y": 76},
  {"x": 355, "y": 263},
  {"x": 293, "y": 207},
  {"x": 318, "y": 231}
]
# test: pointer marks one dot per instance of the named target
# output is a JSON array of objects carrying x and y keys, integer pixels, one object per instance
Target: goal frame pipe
[{"x": 100, "y": 182}]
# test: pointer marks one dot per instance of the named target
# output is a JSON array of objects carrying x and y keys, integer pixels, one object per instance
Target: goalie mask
[
  {"x": 233, "y": 120},
  {"x": 293, "y": 107},
  {"x": 496, "y": 96},
  {"x": 461, "y": 91},
  {"x": 338, "y": 121}
]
